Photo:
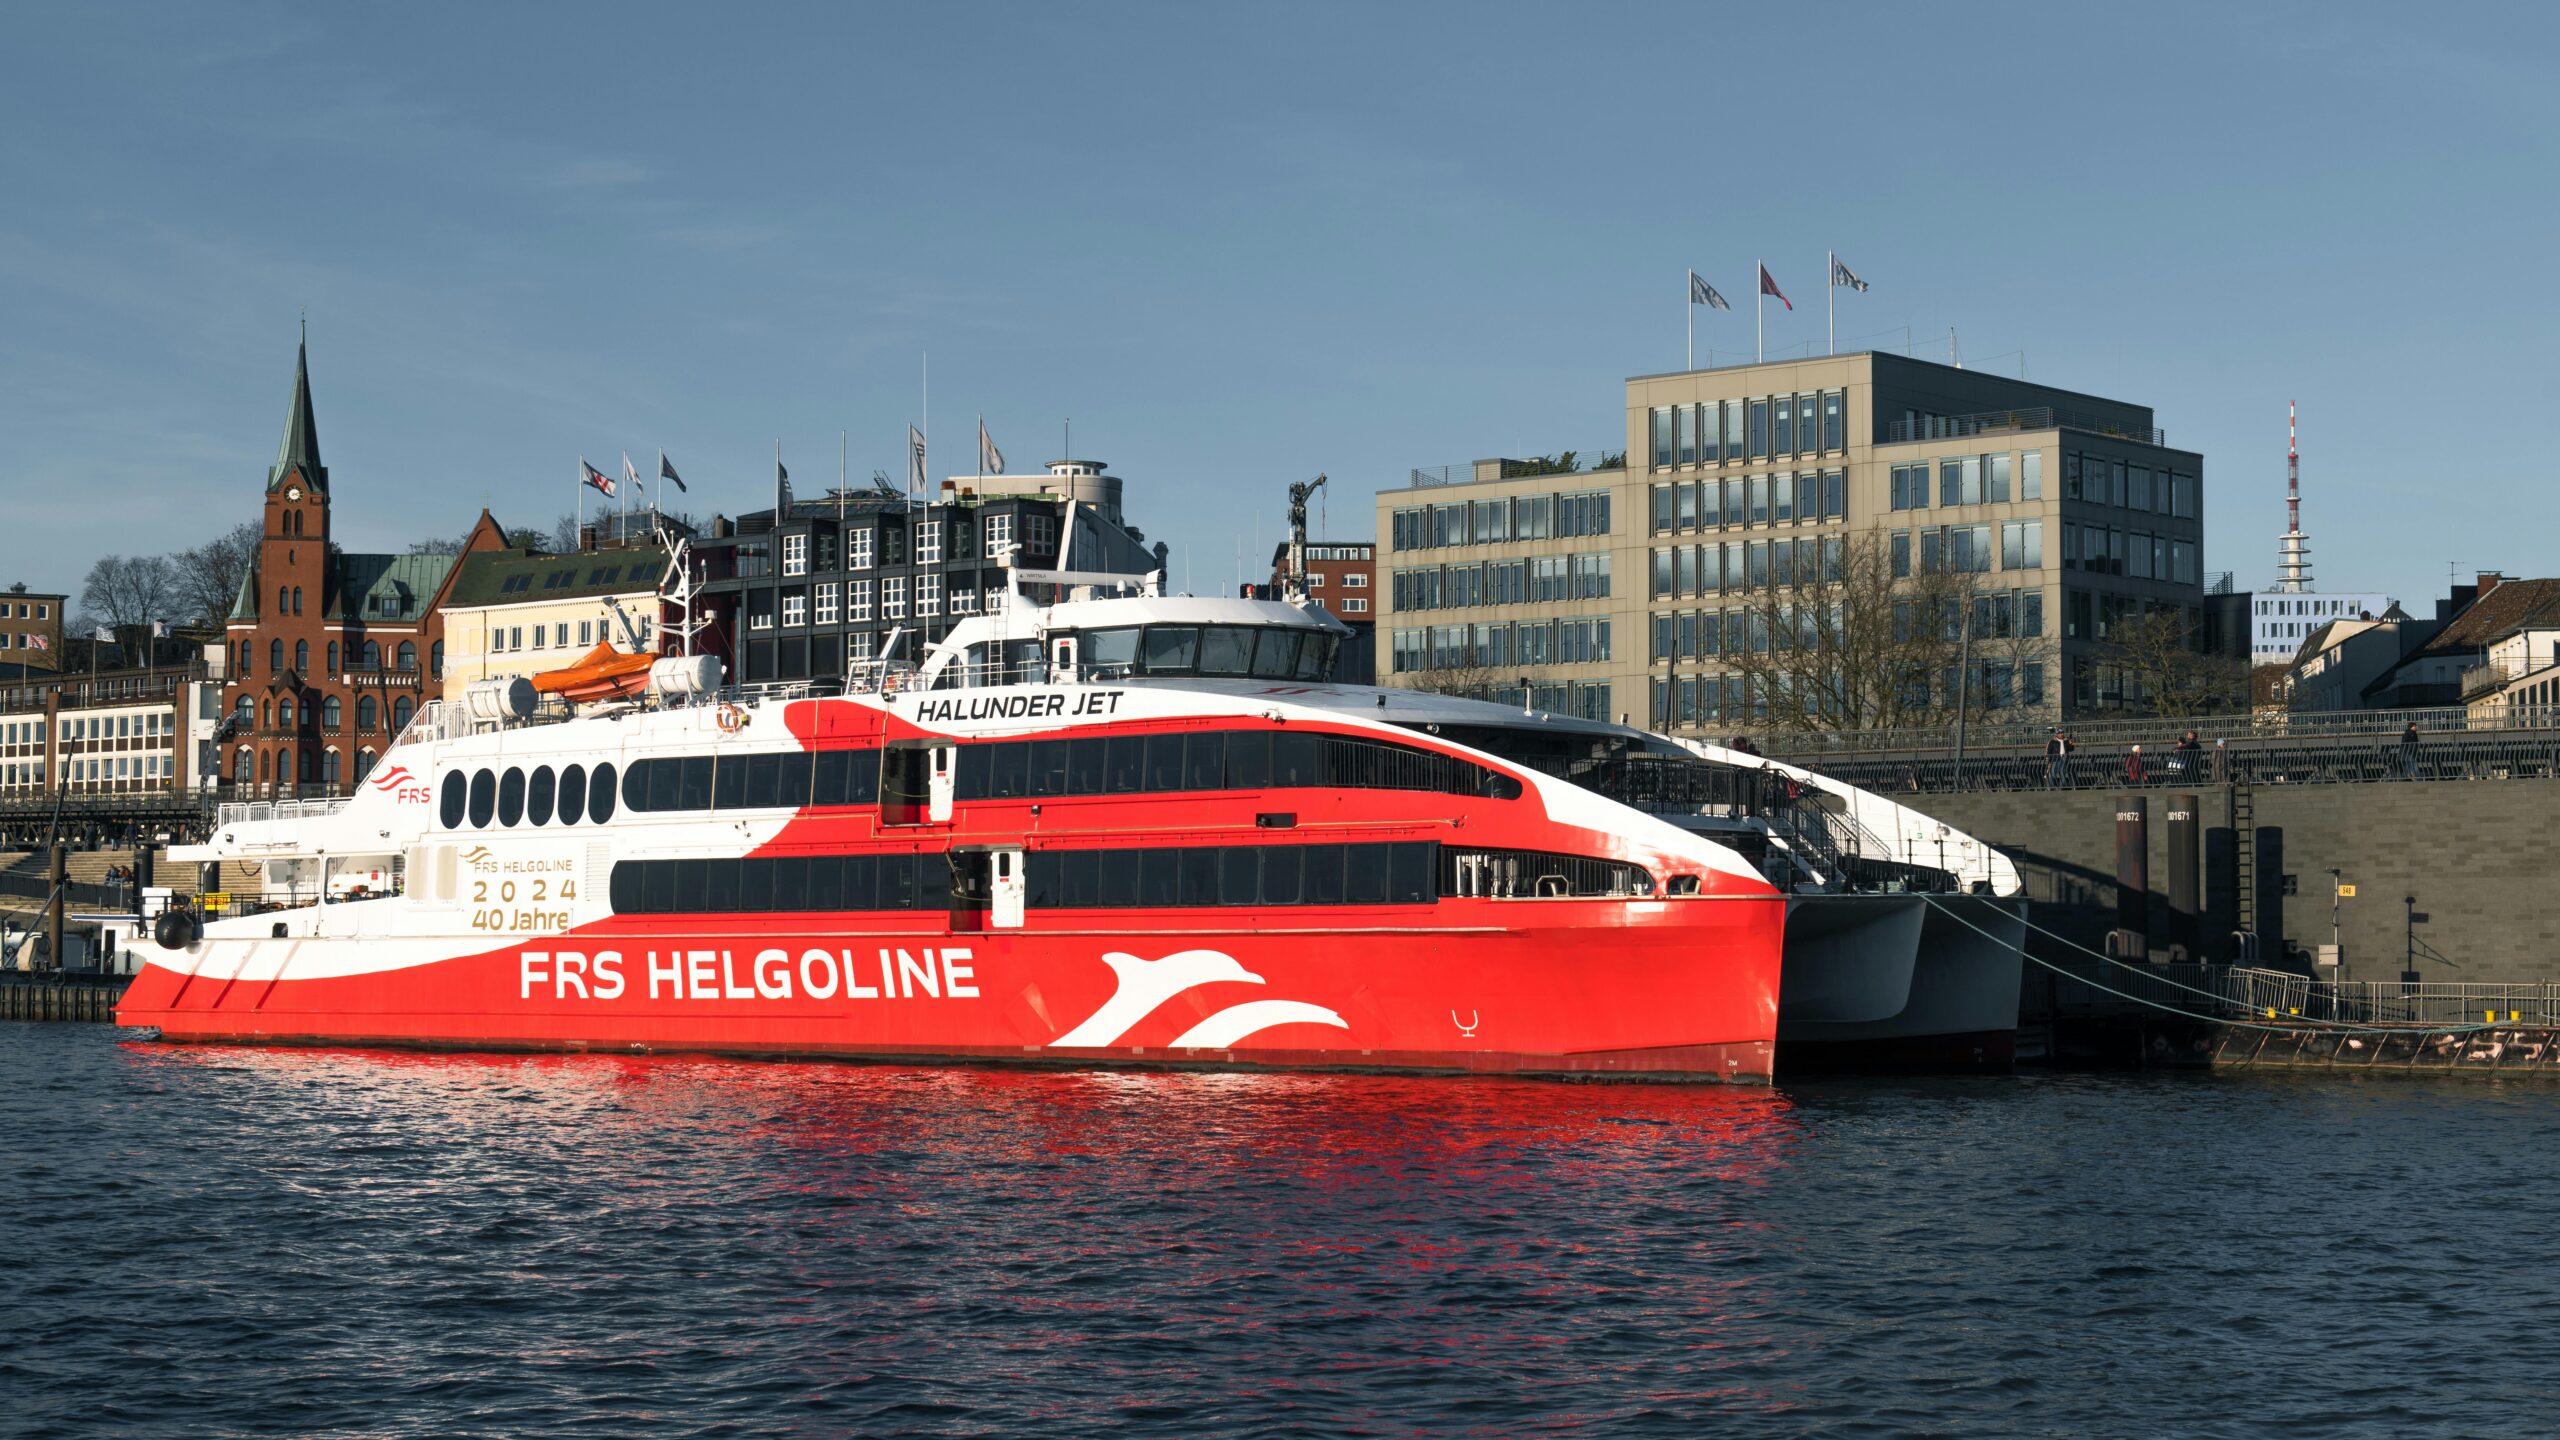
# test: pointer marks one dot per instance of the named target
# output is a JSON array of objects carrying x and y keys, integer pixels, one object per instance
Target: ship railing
[{"x": 258, "y": 812}]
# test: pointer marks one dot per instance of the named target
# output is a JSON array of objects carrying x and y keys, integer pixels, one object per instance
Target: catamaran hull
[
  {"x": 1916, "y": 982},
  {"x": 1679, "y": 989}
]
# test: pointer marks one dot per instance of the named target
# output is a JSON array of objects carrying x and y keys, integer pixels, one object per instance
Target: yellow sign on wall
[{"x": 2346, "y": 892}]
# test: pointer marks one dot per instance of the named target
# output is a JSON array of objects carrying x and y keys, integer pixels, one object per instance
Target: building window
[
  {"x": 857, "y": 647},
  {"x": 1661, "y": 416},
  {"x": 929, "y": 543},
  {"x": 2031, "y": 475},
  {"x": 999, "y": 534},
  {"x": 827, "y": 603},
  {"x": 857, "y": 600},
  {"x": 1040, "y": 533},
  {"x": 1355, "y": 605},
  {"x": 2022, "y": 545},
  {"x": 795, "y": 608},
  {"x": 795, "y": 553},
  {"x": 928, "y": 595},
  {"x": 893, "y": 598},
  {"x": 857, "y": 548}
]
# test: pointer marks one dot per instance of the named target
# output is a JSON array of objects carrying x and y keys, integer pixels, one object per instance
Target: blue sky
[{"x": 1241, "y": 245}]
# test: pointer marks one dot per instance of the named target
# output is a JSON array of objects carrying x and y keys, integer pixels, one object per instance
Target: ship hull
[
  {"x": 1955, "y": 1007},
  {"x": 1678, "y": 989}
]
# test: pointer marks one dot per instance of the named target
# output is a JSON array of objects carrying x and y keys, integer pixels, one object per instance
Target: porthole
[
  {"x": 511, "y": 796},
  {"x": 600, "y": 795},
  {"x": 455, "y": 789},
  {"x": 573, "y": 794},
  {"x": 484, "y": 797},
  {"x": 537, "y": 796}
]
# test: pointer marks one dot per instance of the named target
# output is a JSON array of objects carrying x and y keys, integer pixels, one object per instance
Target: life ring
[
  {"x": 889, "y": 683},
  {"x": 731, "y": 719}
]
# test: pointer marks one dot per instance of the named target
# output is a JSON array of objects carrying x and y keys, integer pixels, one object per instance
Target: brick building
[
  {"x": 329, "y": 653},
  {"x": 30, "y": 630}
]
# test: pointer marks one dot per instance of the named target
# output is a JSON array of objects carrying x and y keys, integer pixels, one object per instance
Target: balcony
[
  {"x": 2026, "y": 418},
  {"x": 382, "y": 678}
]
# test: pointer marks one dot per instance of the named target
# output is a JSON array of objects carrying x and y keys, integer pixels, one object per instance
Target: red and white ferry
[{"x": 1124, "y": 827}]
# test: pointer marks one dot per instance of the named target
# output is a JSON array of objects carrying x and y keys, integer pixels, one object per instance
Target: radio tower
[{"x": 2293, "y": 561}]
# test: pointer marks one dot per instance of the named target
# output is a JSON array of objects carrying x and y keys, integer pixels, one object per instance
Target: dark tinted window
[
  {"x": 661, "y": 891},
  {"x": 755, "y": 885},
  {"x": 1284, "y": 871},
  {"x": 600, "y": 795},
  {"x": 1008, "y": 768},
  {"x": 1204, "y": 761},
  {"x": 659, "y": 777},
  {"x": 1249, "y": 759},
  {"x": 1159, "y": 878},
  {"x": 1119, "y": 879},
  {"x": 573, "y": 794},
  {"x": 1226, "y": 650},
  {"x": 826, "y": 882},
  {"x": 1297, "y": 758},
  {"x": 764, "y": 781},
  {"x": 1275, "y": 653},
  {"x": 1324, "y": 875},
  {"x": 1366, "y": 880},
  {"x": 1239, "y": 875},
  {"x": 729, "y": 783},
  {"x": 1164, "y": 762},
  {"x": 1085, "y": 770},
  {"x": 1080, "y": 878},
  {"x": 1199, "y": 876},
  {"x": 1170, "y": 647},
  {"x": 693, "y": 783},
  {"x": 1126, "y": 763},
  {"x": 538, "y": 795},
  {"x": 484, "y": 797},
  {"x": 790, "y": 881},
  {"x": 450, "y": 805},
  {"x": 1049, "y": 759},
  {"x": 792, "y": 789},
  {"x": 719, "y": 885}
]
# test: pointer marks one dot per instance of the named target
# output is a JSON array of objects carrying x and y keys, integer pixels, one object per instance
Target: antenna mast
[{"x": 2293, "y": 559}]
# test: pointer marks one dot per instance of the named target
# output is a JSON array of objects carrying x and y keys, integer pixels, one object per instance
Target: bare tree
[
  {"x": 1849, "y": 644},
  {"x": 2162, "y": 670},
  {"x": 130, "y": 590},
  {"x": 207, "y": 578}
]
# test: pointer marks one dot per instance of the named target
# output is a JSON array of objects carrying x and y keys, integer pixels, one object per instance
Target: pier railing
[{"x": 2248, "y": 994}]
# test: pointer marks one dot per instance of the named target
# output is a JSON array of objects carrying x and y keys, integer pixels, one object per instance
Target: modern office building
[
  {"x": 829, "y": 585},
  {"x": 1623, "y": 590}
]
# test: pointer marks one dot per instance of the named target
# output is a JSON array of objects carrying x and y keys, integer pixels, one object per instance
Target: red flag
[
  {"x": 1769, "y": 286},
  {"x": 602, "y": 482}
]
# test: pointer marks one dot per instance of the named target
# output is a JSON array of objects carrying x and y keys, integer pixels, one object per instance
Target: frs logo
[
  {"x": 402, "y": 786},
  {"x": 1146, "y": 984}
]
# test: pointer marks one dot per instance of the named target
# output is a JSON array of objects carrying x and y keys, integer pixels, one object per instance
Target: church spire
[{"x": 301, "y": 447}]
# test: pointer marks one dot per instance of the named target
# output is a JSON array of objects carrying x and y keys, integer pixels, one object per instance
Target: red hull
[{"x": 1681, "y": 988}]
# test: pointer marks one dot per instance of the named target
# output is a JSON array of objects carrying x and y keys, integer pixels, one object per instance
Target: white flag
[
  {"x": 915, "y": 461},
  {"x": 103, "y": 633},
  {"x": 990, "y": 459},
  {"x": 1702, "y": 293},
  {"x": 1842, "y": 275}
]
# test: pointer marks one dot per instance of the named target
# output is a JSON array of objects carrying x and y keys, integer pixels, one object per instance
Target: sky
[{"x": 1237, "y": 246}]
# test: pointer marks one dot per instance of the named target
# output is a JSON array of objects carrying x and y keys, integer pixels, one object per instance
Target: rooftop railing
[
  {"x": 2023, "y": 418},
  {"x": 1563, "y": 462}
]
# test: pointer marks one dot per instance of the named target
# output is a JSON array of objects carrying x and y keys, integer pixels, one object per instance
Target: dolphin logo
[
  {"x": 393, "y": 778},
  {"x": 1146, "y": 984}
]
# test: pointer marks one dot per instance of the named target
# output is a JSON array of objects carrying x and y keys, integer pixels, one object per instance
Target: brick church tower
[{"x": 330, "y": 653}]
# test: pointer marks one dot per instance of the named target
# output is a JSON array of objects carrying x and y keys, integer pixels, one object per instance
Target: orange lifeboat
[{"x": 603, "y": 673}]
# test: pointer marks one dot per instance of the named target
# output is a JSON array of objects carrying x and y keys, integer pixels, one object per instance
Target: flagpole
[
  {"x": 1830, "y": 302},
  {"x": 1759, "y": 313},
  {"x": 582, "y": 495},
  {"x": 1689, "y": 308}
]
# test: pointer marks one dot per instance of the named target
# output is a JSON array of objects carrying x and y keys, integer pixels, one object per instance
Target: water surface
[{"x": 245, "y": 1242}]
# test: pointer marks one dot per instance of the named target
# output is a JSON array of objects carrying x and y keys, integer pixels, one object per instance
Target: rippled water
[{"x": 216, "y": 1241}]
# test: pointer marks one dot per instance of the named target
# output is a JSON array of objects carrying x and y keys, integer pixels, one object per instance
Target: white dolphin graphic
[{"x": 1146, "y": 984}]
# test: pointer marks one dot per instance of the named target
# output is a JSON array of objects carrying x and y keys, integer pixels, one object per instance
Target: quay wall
[{"x": 2481, "y": 856}]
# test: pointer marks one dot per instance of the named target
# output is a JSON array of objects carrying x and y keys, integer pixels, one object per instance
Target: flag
[
  {"x": 595, "y": 477},
  {"x": 990, "y": 459},
  {"x": 667, "y": 471},
  {"x": 781, "y": 491},
  {"x": 1843, "y": 275},
  {"x": 1769, "y": 286},
  {"x": 159, "y": 629},
  {"x": 630, "y": 472},
  {"x": 915, "y": 461},
  {"x": 40, "y": 642},
  {"x": 102, "y": 633},
  {"x": 1702, "y": 293}
]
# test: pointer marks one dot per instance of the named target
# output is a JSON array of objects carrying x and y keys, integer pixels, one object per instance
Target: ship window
[
  {"x": 1119, "y": 879},
  {"x": 661, "y": 891},
  {"x": 1204, "y": 760},
  {"x": 826, "y": 882},
  {"x": 1126, "y": 762},
  {"x": 1275, "y": 653},
  {"x": 1110, "y": 649},
  {"x": 1297, "y": 758},
  {"x": 755, "y": 886},
  {"x": 1085, "y": 769},
  {"x": 1239, "y": 875},
  {"x": 1171, "y": 648},
  {"x": 1008, "y": 770},
  {"x": 1199, "y": 876},
  {"x": 764, "y": 781},
  {"x": 792, "y": 789},
  {"x": 1079, "y": 876},
  {"x": 511, "y": 796},
  {"x": 860, "y": 883},
  {"x": 729, "y": 782},
  {"x": 719, "y": 885},
  {"x": 1366, "y": 882},
  {"x": 538, "y": 795},
  {"x": 1159, "y": 878},
  {"x": 1409, "y": 878},
  {"x": 1164, "y": 762},
  {"x": 455, "y": 787},
  {"x": 1324, "y": 875},
  {"x": 896, "y": 879},
  {"x": 600, "y": 795},
  {"x": 693, "y": 782},
  {"x": 484, "y": 797},
  {"x": 932, "y": 882},
  {"x": 1284, "y": 871},
  {"x": 1248, "y": 759},
  {"x": 1226, "y": 650},
  {"x": 790, "y": 881},
  {"x": 573, "y": 794},
  {"x": 1049, "y": 769}
]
